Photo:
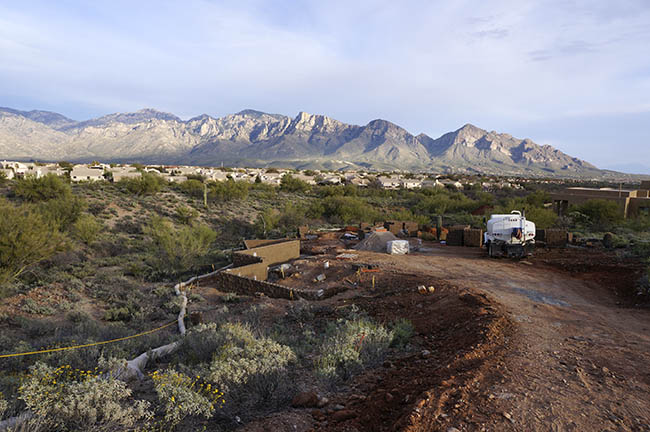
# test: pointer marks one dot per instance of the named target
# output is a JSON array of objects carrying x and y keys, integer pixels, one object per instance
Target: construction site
[{"x": 554, "y": 341}]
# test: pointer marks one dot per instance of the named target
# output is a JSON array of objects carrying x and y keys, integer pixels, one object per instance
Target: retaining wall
[
  {"x": 255, "y": 243},
  {"x": 258, "y": 271},
  {"x": 274, "y": 253},
  {"x": 227, "y": 281}
]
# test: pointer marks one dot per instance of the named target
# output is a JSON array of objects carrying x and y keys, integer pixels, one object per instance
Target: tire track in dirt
[{"x": 556, "y": 348}]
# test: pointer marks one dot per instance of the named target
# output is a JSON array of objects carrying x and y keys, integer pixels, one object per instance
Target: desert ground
[{"x": 553, "y": 342}]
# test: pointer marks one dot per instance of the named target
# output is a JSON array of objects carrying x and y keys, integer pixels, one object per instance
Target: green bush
[
  {"x": 183, "y": 396},
  {"x": 601, "y": 213},
  {"x": 118, "y": 314},
  {"x": 350, "y": 346},
  {"x": 3, "y": 405},
  {"x": 43, "y": 188},
  {"x": 267, "y": 221},
  {"x": 87, "y": 228},
  {"x": 443, "y": 201},
  {"x": 343, "y": 209},
  {"x": 192, "y": 187},
  {"x": 291, "y": 217},
  {"x": 249, "y": 369},
  {"x": 227, "y": 190},
  {"x": 402, "y": 330},
  {"x": 186, "y": 215},
  {"x": 78, "y": 400},
  {"x": 289, "y": 183},
  {"x": 26, "y": 238},
  {"x": 179, "y": 250},
  {"x": 147, "y": 184},
  {"x": 62, "y": 212}
]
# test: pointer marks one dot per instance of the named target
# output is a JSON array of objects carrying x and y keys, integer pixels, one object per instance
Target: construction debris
[
  {"x": 376, "y": 241},
  {"x": 345, "y": 256},
  {"x": 397, "y": 247}
]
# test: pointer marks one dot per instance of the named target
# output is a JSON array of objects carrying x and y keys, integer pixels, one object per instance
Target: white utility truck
[{"x": 509, "y": 234}]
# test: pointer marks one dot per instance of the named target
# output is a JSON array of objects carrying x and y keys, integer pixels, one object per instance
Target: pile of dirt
[{"x": 376, "y": 241}]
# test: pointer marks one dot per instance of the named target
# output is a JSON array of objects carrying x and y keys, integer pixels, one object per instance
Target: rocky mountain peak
[
  {"x": 469, "y": 134},
  {"x": 255, "y": 138}
]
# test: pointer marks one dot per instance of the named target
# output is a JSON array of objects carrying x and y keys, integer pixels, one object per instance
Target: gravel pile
[{"x": 376, "y": 241}]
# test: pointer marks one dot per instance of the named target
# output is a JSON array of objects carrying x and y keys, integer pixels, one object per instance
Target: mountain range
[{"x": 254, "y": 138}]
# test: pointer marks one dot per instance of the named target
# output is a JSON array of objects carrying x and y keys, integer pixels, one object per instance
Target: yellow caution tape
[{"x": 88, "y": 344}]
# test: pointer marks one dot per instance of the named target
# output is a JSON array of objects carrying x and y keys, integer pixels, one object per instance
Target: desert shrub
[
  {"x": 200, "y": 343},
  {"x": 443, "y": 201},
  {"x": 118, "y": 314},
  {"x": 179, "y": 249},
  {"x": 62, "y": 212},
  {"x": 3, "y": 403},
  {"x": 147, "y": 184},
  {"x": 343, "y": 209},
  {"x": 227, "y": 190},
  {"x": 267, "y": 221},
  {"x": 402, "y": 330},
  {"x": 186, "y": 215},
  {"x": 26, "y": 238},
  {"x": 43, "y": 188},
  {"x": 3, "y": 180},
  {"x": 87, "y": 228},
  {"x": 543, "y": 217},
  {"x": 289, "y": 183},
  {"x": 407, "y": 215},
  {"x": 69, "y": 400},
  {"x": 31, "y": 306},
  {"x": 291, "y": 217},
  {"x": 78, "y": 316},
  {"x": 601, "y": 213},
  {"x": 351, "y": 345},
  {"x": 249, "y": 369},
  {"x": 192, "y": 187},
  {"x": 183, "y": 396},
  {"x": 538, "y": 198},
  {"x": 231, "y": 297}
]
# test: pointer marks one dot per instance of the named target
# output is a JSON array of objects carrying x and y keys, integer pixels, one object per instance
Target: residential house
[
  {"x": 124, "y": 172},
  {"x": 8, "y": 173},
  {"x": 429, "y": 183},
  {"x": 388, "y": 182},
  {"x": 85, "y": 173},
  {"x": 411, "y": 183}
]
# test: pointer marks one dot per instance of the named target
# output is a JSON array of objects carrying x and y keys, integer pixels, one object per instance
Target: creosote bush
[
  {"x": 87, "y": 228},
  {"x": 40, "y": 189},
  {"x": 350, "y": 346},
  {"x": 68, "y": 399},
  {"x": 181, "y": 249},
  {"x": 184, "y": 396},
  {"x": 26, "y": 238},
  {"x": 402, "y": 330},
  {"x": 249, "y": 369},
  {"x": 3, "y": 405},
  {"x": 147, "y": 184}
]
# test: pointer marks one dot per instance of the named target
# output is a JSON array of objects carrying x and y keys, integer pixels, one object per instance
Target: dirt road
[{"x": 576, "y": 360}]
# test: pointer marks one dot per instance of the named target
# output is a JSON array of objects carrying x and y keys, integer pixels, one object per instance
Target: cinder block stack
[
  {"x": 556, "y": 237},
  {"x": 455, "y": 237},
  {"x": 473, "y": 237}
]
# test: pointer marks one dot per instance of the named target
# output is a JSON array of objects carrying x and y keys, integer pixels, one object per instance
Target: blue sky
[{"x": 573, "y": 74}]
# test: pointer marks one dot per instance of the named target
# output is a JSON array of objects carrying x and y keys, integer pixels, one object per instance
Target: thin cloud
[{"x": 428, "y": 66}]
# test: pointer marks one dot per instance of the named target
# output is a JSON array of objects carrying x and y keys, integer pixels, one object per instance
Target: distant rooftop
[{"x": 600, "y": 189}]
